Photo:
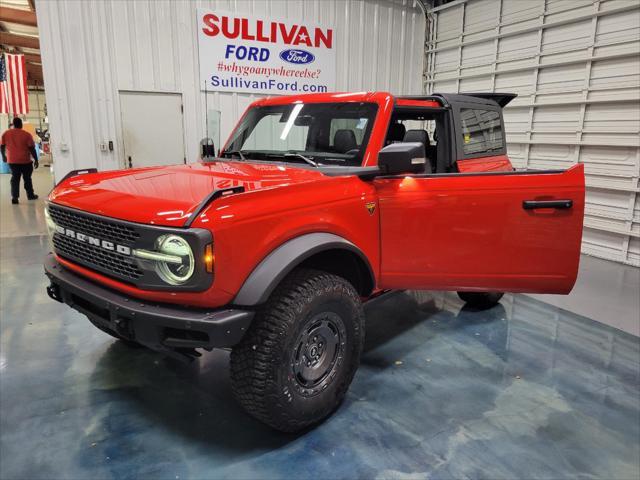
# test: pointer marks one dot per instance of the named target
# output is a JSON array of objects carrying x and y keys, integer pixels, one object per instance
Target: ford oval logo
[{"x": 297, "y": 57}]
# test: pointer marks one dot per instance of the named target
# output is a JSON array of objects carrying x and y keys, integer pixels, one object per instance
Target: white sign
[{"x": 257, "y": 55}]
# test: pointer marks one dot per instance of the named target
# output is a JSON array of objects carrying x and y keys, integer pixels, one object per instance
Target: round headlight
[{"x": 175, "y": 273}]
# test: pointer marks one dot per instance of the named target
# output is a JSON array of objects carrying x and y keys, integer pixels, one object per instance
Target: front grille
[
  {"x": 107, "y": 245},
  {"x": 89, "y": 225},
  {"x": 92, "y": 256}
]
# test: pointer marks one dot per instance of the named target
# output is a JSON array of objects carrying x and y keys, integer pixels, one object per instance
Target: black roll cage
[{"x": 449, "y": 148}]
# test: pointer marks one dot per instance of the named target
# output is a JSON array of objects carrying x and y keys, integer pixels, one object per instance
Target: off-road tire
[
  {"x": 266, "y": 376},
  {"x": 481, "y": 300}
]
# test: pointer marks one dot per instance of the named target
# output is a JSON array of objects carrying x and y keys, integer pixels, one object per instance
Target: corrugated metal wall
[
  {"x": 91, "y": 50},
  {"x": 575, "y": 65}
]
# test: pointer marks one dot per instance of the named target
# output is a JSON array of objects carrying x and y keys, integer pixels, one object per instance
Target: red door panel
[{"x": 473, "y": 232}]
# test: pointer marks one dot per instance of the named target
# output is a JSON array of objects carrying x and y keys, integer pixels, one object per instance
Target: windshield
[{"x": 311, "y": 133}]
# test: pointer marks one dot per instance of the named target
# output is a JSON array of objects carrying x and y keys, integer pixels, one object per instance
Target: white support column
[
  {"x": 587, "y": 82},
  {"x": 496, "y": 45},
  {"x": 430, "y": 45},
  {"x": 464, "y": 9},
  {"x": 534, "y": 84}
]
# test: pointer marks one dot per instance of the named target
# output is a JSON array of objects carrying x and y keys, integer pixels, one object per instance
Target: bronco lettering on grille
[{"x": 81, "y": 237}]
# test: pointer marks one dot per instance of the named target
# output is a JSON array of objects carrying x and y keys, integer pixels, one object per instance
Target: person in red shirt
[{"x": 17, "y": 148}]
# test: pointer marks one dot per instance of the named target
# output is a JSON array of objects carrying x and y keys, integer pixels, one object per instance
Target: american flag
[{"x": 14, "y": 97}]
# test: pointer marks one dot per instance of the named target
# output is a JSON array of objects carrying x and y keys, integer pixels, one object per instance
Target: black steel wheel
[
  {"x": 296, "y": 362},
  {"x": 318, "y": 353}
]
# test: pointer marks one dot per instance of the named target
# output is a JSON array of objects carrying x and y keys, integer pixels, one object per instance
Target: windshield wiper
[
  {"x": 235, "y": 152},
  {"x": 300, "y": 156}
]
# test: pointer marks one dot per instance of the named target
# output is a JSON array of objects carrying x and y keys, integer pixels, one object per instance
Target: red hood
[{"x": 167, "y": 195}]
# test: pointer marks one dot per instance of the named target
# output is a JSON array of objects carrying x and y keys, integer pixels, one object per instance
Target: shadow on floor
[{"x": 195, "y": 400}]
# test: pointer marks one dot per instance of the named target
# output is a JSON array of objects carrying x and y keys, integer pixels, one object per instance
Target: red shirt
[{"x": 18, "y": 143}]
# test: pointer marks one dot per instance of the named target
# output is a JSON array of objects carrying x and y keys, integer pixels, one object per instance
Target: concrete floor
[
  {"x": 27, "y": 218},
  {"x": 605, "y": 291},
  {"x": 524, "y": 390}
]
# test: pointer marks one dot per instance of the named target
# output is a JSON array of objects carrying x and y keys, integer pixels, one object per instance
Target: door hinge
[{"x": 181, "y": 108}]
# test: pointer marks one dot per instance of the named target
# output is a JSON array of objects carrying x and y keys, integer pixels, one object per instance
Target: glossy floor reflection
[{"x": 524, "y": 390}]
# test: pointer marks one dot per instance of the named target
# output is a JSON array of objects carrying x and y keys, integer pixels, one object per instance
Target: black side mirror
[
  {"x": 208, "y": 148},
  {"x": 403, "y": 157}
]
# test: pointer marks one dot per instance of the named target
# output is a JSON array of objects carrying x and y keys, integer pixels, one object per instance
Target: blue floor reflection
[{"x": 523, "y": 390}]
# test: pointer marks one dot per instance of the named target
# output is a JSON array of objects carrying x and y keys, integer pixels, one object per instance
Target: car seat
[
  {"x": 344, "y": 140},
  {"x": 396, "y": 133},
  {"x": 422, "y": 136}
]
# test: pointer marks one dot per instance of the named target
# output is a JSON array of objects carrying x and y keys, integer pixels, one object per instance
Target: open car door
[{"x": 498, "y": 231}]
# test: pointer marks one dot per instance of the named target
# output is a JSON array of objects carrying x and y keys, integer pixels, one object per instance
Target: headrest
[
  {"x": 344, "y": 140},
  {"x": 417, "y": 136},
  {"x": 396, "y": 132}
]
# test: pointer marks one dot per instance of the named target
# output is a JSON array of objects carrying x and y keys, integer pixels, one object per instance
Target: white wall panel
[
  {"x": 575, "y": 65},
  {"x": 92, "y": 50}
]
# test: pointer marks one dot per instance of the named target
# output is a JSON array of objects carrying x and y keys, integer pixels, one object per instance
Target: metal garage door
[{"x": 575, "y": 65}]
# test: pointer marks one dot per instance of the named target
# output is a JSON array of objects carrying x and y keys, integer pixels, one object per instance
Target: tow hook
[{"x": 54, "y": 292}]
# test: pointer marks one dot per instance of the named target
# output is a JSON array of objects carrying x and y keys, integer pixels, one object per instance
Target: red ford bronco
[{"x": 316, "y": 204}]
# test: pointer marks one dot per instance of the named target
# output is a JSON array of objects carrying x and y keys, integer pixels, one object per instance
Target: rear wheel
[
  {"x": 295, "y": 364},
  {"x": 481, "y": 300}
]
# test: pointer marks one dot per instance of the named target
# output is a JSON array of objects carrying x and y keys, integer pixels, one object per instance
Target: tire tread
[{"x": 253, "y": 361}]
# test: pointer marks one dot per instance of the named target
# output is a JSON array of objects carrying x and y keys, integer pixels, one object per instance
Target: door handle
[
  {"x": 130, "y": 165},
  {"x": 557, "y": 204}
]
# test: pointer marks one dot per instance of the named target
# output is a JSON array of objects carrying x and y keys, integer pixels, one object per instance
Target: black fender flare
[{"x": 281, "y": 261}]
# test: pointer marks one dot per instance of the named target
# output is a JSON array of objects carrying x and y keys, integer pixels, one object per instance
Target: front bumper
[{"x": 167, "y": 328}]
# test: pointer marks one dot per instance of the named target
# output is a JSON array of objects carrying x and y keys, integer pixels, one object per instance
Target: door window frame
[{"x": 446, "y": 152}]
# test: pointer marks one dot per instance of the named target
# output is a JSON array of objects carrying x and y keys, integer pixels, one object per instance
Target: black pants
[{"x": 23, "y": 170}]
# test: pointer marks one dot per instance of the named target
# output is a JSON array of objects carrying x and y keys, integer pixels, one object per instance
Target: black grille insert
[
  {"x": 89, "y": 225},
  {"x": 109, "y": 262}
]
